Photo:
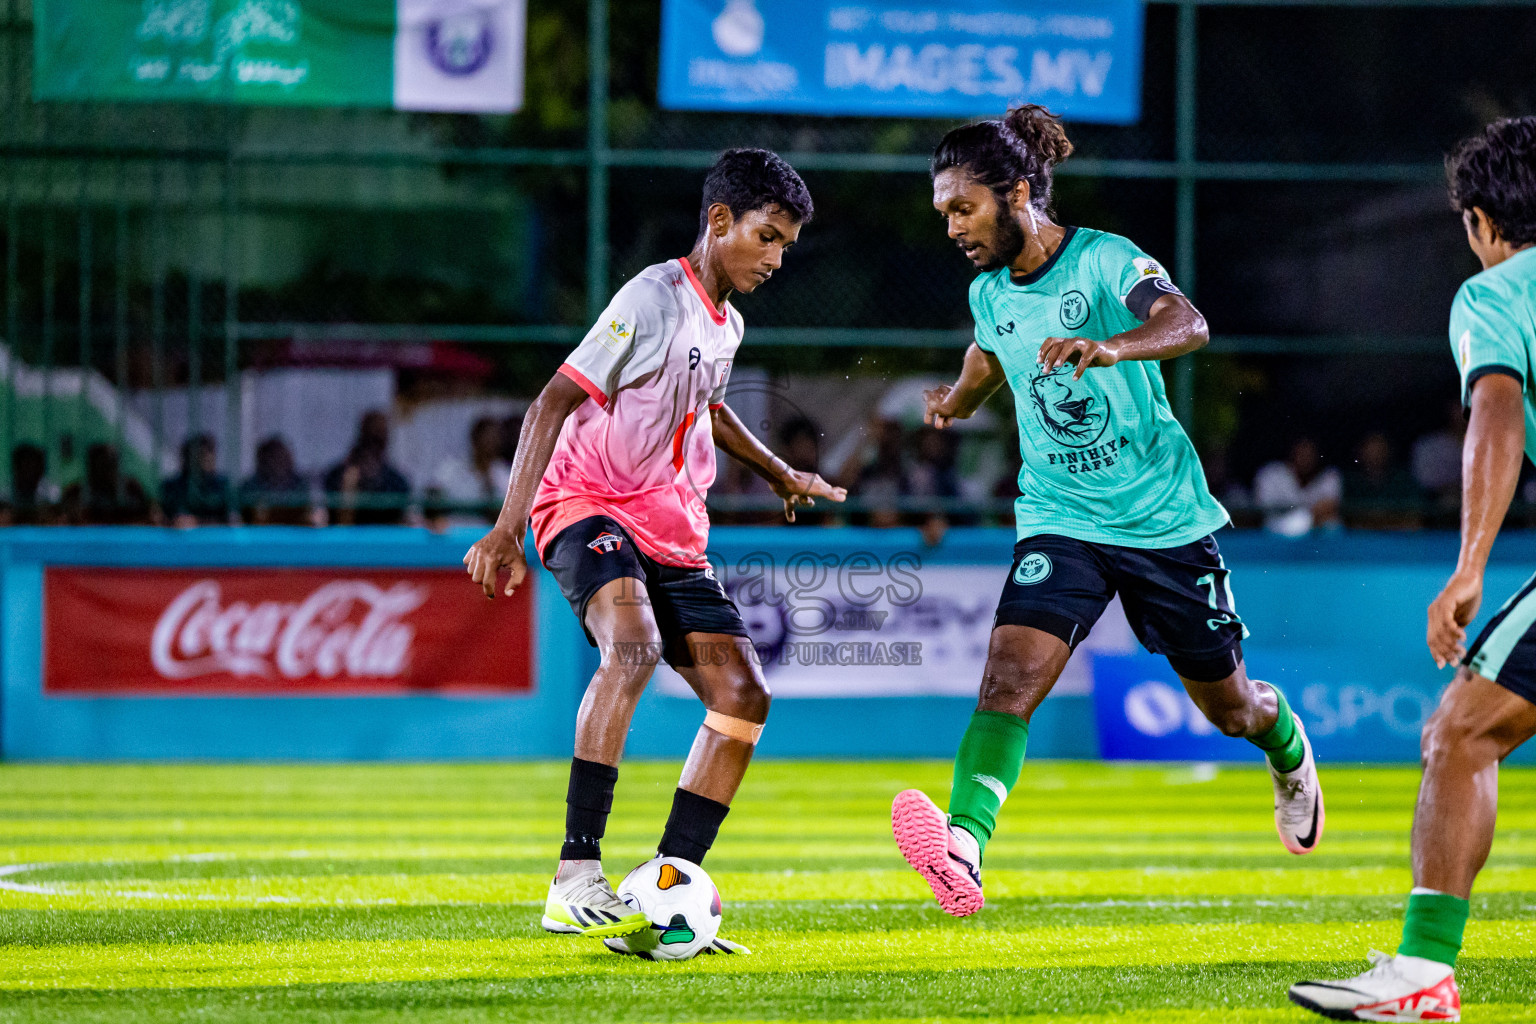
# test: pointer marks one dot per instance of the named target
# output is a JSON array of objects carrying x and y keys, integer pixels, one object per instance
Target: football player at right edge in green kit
[
  {"x": 1113, "y": 499},
  {"x": 1490, "y": 707}
]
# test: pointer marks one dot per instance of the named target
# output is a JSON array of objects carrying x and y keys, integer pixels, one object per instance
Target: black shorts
[
  {"x": 591, "y": 553},
  {"x": 1505, "y": 651},
  {"x": 1178, "y": 600}
]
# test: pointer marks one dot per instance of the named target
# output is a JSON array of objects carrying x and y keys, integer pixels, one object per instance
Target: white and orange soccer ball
[{"x": 682, "y": 904}]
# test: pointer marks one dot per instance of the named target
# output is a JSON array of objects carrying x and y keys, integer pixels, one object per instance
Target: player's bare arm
[
  {"x": 502, "y": 547},
  {"x": 1174, "y": 328},
  {"x": 1490, "y": 469},
  {"x": 795, "y": 486},
  {"x": 980, "y": 377}
]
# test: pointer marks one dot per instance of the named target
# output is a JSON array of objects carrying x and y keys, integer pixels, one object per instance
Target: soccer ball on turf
[{"x": 682, "y": 904}]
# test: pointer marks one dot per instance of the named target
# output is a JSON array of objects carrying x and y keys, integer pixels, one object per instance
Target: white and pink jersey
[{"x": 642, "y": 451}]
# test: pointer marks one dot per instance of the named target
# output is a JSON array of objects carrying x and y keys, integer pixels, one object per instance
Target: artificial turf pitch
[{"x": 412, "y": 893}]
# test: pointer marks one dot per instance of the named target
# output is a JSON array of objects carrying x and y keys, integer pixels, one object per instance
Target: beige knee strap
[{"x": 733, "y": 728}]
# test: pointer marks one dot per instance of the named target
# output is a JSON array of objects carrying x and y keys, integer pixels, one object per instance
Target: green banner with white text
[{"x": 450, "y": 55}]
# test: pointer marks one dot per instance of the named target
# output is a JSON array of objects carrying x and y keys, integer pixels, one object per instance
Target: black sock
[
  {"x": 692, "y": 826},
  {"x": 587, "y": 803}
]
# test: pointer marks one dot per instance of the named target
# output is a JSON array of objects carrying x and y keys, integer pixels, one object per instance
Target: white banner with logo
[{"x": 854, "y": 625}]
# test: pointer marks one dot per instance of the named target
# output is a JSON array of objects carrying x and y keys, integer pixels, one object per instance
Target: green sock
[
  {"x": 1433, "y": 926},
  {"x": 986, "y": 767},
  {"x": 1282, "y": 744}
]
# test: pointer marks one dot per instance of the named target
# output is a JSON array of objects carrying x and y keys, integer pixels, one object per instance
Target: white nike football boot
[
  {"x": 1299, "y": 812},
  {"x": 1395, "y": 988},
  {"x": 581, "y": 902}
]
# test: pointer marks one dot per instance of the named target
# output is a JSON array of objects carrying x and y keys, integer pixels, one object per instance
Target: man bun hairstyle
[
  {"x": 1495, "y": 170},
  {"x": 754, "y": 179},
  {"x": 1027, "y": 143}
]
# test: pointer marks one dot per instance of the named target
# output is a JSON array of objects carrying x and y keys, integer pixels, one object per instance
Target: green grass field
[{"x": 412, "y": 893}]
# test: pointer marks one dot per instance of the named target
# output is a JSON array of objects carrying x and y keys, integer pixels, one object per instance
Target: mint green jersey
[
  {"x": 1493, "y": 330},
  {"x": 1105, "y": 460}
]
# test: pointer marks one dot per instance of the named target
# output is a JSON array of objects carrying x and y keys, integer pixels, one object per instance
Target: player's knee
[
  {"x": 1447, "y": 736},
  {"x": 1016, "y": 672},
  {"x": 741, "y": 694}
]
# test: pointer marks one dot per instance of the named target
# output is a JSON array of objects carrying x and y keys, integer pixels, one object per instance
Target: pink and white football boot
[
  {"x": 1395, "y": 988},
  {"x": 947, "y": 856}
]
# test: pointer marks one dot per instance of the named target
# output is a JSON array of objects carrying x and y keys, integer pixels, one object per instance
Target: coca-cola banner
[{"x": 280, "y": 631}]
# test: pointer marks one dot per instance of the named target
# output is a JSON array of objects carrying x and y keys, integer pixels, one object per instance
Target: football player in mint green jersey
[
  {"x": 1490, "y": 707},
  {"x": 1113, "y": 500}
]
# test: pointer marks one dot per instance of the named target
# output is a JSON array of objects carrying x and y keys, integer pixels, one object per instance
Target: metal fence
[{"x": 148, "y": 247}]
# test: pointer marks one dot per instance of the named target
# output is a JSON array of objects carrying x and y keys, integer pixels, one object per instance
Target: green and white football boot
[{"x": 581, "y": 902}]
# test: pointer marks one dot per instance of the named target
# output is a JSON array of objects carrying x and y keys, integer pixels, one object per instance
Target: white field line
[{"x": 65, "y": 889}]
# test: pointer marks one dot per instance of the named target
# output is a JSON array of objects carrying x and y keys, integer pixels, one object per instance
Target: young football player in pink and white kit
[{"x": 612, "y": 467}]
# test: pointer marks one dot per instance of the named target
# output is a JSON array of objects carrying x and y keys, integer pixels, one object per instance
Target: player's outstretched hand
[
  {"x": 490, "y": 553},
  {"x": 798, "y": 488},
  {"x": 1448, "y": 617},
  {"x": 938, "y": 407},
  {"x": 1058, "y": 352}
]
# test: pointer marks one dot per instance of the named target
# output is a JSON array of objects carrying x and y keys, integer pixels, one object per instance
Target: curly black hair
[
  {"x": 1026, "y": 143},
  {"x": 753, "y": 179},
  {"x": 1495, "y": 170}
]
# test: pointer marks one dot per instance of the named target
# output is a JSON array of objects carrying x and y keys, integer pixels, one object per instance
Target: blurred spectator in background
[
  {"x": 480, "y": 478},
  {"x": 1299, "y": 494},
  {"x": 1437, "y": 465},
  {"x": 364, "y": 489},
  {"x": 199, "y": 494},
  {"x": 800, "y": 446},
  {"x": 932, "y": 470},
  {"x": 1226, "y": 488},
  {"x": 105, "y": 497},
  {"x": 1378, "y": 493},
  {"x": 34, "y": 498},
  {"x": 276, "y": 494},
  {"x": 881, "y": 481},
  {"x": 931, "y": 474}
]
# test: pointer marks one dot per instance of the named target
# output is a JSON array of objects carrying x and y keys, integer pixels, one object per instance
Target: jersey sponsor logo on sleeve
[
  {"x": 1147, "y": 268},
  {"x": 722, "y": 372},
  {"x": 1033, "y": 568},
  {"x": 1074, "y": 310},
  {"x": 617, "y": 334},
  {"x": 606, "y": 543},
  {"x": 1464, "y": 349}
]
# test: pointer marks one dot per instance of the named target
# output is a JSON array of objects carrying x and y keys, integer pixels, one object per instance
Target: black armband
[{"x": 1147, "y": 291}]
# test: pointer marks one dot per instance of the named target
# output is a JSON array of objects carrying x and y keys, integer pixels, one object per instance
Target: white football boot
[
  {"x": 581, "y": 902},
  {"x": 1299, "y": 811},
  {"x": 1395, "y": 988}
]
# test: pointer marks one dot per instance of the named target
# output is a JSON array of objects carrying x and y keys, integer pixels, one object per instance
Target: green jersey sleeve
[
  {"x": 1136, "y": 279},
  {"x": 1484, "y": 337}
]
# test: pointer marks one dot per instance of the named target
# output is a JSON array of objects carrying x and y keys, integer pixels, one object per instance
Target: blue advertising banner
[
  {"x": 1352, "y": 708},
  {"x": 961, "y": 58}
]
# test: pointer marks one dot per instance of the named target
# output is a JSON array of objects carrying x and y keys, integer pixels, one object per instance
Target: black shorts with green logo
[{"x": 1178, "y": 600}]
